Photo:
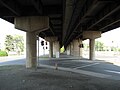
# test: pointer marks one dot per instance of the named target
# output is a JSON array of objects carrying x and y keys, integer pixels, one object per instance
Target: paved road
[
  {"x": 96, "y": 66},
  {"x": 76, "y": 64}
]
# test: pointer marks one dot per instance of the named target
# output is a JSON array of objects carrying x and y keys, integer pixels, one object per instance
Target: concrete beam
[
  {"x": 91, "y": 34},
  {"x": 32, "y": 23}
]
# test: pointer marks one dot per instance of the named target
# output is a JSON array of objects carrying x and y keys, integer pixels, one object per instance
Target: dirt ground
[{"x": 19, "y": 78}]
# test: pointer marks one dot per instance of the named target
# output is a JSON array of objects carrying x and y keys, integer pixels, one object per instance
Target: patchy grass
[{"x": 3, "y": 53}]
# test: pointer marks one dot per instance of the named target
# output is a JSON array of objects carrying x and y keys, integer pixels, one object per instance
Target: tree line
[{"x": 100, "y": 46}]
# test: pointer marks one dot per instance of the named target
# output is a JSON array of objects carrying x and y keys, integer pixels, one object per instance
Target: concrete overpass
[{"x": 62, "y": 22}]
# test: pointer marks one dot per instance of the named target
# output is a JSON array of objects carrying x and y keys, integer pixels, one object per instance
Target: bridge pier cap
[
  {"x": 32, "y": 23},
  {"x": 51, "y": 39},
  {"x": 91, "y": 34}
]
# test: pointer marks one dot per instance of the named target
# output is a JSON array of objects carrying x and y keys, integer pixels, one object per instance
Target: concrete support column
[
  {"x": 92, "y": 49},
  {"x": 51, "y": 40},
  {"x": 81, "y": 52},
  {"x": 76, "y": 48},
  {"x": 31, "y": 57},
  {"x": 68, "y": 50},
  {"x": 56, "y": 49},
  {"x": 50, "y": 49},
  {"x": 81, "y": 49},
  {"x": 72, "y": 48},
  {"x": 92, "y": 35},
  {"x": 32, "y": 25}
]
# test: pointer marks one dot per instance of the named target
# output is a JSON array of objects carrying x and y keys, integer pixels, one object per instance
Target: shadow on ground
[{"x": 19, "y": 78}]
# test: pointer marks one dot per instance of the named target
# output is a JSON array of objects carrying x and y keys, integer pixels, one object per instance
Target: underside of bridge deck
[{"x": 68, "y": 19}]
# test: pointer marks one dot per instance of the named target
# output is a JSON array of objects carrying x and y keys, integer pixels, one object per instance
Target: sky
[
  {"x": 111, "y": 37},
  {"x": 7, "y": 28}
]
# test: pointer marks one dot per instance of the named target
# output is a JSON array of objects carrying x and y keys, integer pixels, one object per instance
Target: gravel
[{"x": 17, "y": 77}]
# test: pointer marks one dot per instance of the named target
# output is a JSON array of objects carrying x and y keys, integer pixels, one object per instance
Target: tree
[
  {"x": 62, "y": 49},
  {"x": 9, "y": 46},
  {"x": 99, "y": 46},
  {"x": 14, "y": 43},
  {"x": 19, "y": 45}
]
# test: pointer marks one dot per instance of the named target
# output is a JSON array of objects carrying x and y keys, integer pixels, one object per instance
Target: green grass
[{"x": 3, "y": 53}]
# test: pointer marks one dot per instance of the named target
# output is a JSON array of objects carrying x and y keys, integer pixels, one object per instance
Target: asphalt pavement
[{"x": 84, "y": 66}]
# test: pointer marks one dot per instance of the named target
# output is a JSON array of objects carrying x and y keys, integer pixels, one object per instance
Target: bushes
[{"x": 3, "y": 53}]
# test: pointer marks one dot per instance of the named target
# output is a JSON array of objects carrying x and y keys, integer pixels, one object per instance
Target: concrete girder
[
  {"x": 13, "y": 8},
  {"x": 75, "y": 14},
  {"x": 68, "y": 15},
  {"x": 38, "y": 5},
  {"x": 112, "y": 8}
]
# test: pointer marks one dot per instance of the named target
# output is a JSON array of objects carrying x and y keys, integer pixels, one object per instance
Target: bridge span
[{"x": 61, "y": 22}]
